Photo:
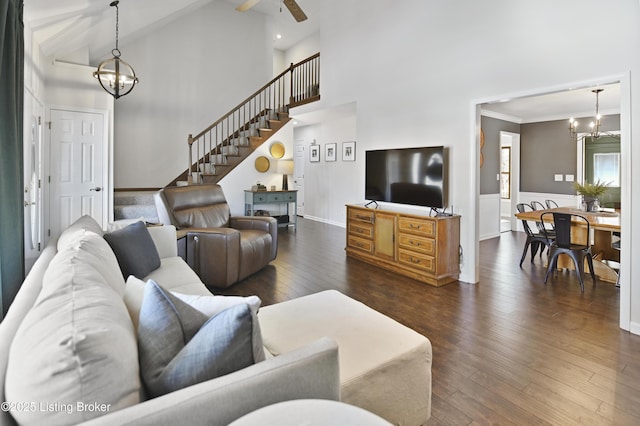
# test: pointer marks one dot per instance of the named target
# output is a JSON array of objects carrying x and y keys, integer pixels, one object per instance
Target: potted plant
[{"x": 591, "y": 192}]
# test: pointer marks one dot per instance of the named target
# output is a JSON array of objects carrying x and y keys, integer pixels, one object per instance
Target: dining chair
[
  {"x": 616, "y": 245},
  {"x": 537, "y": 205},
  {"x": 537, "y": 240},
  {"x": 565, "y": 243},
  {"x": 551, "y": 204}
]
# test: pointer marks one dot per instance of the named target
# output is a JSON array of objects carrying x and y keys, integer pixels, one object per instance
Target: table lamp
[{"x": 286, "y": 168}]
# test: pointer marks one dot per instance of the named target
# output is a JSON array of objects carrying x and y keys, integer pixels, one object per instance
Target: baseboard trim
[{"x": 329, "y": 222}]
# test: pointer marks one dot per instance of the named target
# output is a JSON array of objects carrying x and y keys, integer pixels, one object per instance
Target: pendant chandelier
[
  {"x": 594, "y": 125},
  {"x": 115, "y": 75}
]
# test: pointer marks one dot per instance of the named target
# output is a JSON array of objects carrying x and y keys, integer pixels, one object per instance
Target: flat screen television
[{"x": 415, "y": 176}]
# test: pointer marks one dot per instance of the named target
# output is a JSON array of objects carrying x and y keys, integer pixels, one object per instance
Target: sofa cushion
[
  {"x": 133, "y": 246},
  {"x": 84, "y": 223},
  {"x": 180, "y": 346},
  {"x": 76, "y": 345},
  {"x": 91, "y": 253},
  {"x": 174, "y": 274}
]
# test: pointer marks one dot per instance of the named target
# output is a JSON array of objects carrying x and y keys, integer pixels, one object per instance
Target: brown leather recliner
[{"x": 220, "y": 248}]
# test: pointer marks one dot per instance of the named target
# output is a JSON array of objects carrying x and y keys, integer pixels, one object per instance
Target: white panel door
[
  {"x": 77, "y": 153},
  {"x": 298, "y": 173}
]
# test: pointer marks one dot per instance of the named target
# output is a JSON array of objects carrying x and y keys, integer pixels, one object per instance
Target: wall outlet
[
  {"x": 557, "y": 177},
  {"x": 568, "y": 178}
]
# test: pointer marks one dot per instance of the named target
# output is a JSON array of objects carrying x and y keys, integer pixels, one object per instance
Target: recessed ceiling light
[{"x": 278, "y": 36}]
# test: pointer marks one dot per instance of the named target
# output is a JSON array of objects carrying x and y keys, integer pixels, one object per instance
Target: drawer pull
[
  {"x": 415, "y": 243},
  {"x": 415, "y": 261},
  {"x": 414, "y": 226}
]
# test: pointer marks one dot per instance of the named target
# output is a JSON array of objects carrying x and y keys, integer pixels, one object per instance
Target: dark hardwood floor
[{"x": 508, "y": 350}]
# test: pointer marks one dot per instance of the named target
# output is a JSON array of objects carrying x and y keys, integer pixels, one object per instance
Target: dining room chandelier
[
  {"x": 594, "y": 125},
  {"x": 115, "y": 75}
]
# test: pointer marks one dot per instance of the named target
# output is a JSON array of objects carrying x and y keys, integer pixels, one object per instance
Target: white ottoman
[
  {"x": 310, "y": 412},
  {"x": 385, "y": 367}
]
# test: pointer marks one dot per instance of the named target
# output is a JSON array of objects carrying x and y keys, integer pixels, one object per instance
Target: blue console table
[{"x": 254, "y": 198}]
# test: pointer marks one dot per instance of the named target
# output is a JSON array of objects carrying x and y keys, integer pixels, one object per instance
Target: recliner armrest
[
  {"x": 213, "y": 253},
  {"x": 261, "y": 223}
]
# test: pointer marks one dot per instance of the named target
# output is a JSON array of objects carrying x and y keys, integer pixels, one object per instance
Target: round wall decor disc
[
  {"x": 277, "y": 150},
  {"x": 262, "y": 164}
]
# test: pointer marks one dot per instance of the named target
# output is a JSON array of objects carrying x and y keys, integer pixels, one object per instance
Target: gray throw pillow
[
  {"x": 180, "y": 346},
  {"x": 134, "y": 248}
]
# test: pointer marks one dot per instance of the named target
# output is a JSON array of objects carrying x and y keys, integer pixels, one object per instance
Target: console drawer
[
  {"x": 417, "y": 243},
  {"x": 361, "y": 215},
  {"x": 361, "y": 229},
  {"x": 416, "y": 260},
  {"x": 416, "y": 226},
  {"x": 359, "y": 243}
]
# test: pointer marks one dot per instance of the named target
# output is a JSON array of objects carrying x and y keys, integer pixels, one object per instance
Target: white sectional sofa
[{"x": 70, "y": 352}]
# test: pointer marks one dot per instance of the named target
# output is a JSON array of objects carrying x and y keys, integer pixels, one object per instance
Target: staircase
[
  {"x": 134, "y": 204},
  {"x": 219, "y": 148}
]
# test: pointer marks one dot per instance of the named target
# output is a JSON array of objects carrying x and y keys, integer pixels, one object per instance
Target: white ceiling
[
  {"x": 558, "y": 105},
  {"x": 65, "y": 27}
]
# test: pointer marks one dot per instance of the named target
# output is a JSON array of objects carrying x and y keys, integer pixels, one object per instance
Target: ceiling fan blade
[
  {"x": 295, "y": 10},
  {"x": 247, "y": 5}
]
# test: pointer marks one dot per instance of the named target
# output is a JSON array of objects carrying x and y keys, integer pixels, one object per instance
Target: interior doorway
[
  {"x": 623, "y": 80},
  {"x": 509, "y": 179},
  {"x": 78, "y": 168},
  {"x": 298, "y": 173}
]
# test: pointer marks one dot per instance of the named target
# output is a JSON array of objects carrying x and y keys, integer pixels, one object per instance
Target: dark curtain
[{"x": 11, "y": 175}]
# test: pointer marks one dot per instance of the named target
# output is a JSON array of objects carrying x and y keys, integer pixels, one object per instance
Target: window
[
  {"x": 505, "y": 172},
  {"x": 606, "y": 168}
]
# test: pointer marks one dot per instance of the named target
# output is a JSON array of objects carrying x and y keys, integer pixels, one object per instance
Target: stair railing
[{"x": 299, "y": 84}]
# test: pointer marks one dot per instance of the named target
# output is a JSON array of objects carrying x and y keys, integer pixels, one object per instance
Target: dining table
[{"x": 603, "y": 223}]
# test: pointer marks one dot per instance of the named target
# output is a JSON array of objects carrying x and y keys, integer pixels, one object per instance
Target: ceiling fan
[{"x": 293, "y": 7}]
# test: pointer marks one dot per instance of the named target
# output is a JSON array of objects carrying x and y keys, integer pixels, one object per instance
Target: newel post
[{"x": 291, "y": 97}]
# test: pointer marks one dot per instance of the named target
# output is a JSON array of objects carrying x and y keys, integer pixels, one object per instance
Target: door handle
[
  {"x": 97, "y": 189},
  {"x": 29, "y": 203}
]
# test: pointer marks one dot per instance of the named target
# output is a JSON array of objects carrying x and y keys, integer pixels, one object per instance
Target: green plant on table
[{"x": 594, "y": 190}]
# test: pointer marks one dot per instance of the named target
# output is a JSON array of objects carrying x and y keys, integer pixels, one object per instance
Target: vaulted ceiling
[{"x": 64, "y": 27}]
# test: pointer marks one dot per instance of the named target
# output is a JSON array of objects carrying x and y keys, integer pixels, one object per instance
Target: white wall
[
  {"x": 302, "y": 50},
  {"x": 328, "y": 186},
  {"x": 417, "y": 71},
  {"x": 245, "y": 174},
  {"x": 192, "y": 71}
]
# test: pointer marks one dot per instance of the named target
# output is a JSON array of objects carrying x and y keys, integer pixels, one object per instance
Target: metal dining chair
[
  {"x": 616, "y": 245},
  {"x": 564, "y": 244},
  {"x": 551, "y": 204},
  {"x": 535, "y": 240},
  {"x": 537, "y": 205}
]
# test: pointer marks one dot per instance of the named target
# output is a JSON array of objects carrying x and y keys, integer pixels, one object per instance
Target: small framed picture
[
  {"x": 349, "y": 151},
  {"x": 314, "y": 153},
  {"x": 330, "y": 151}
]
